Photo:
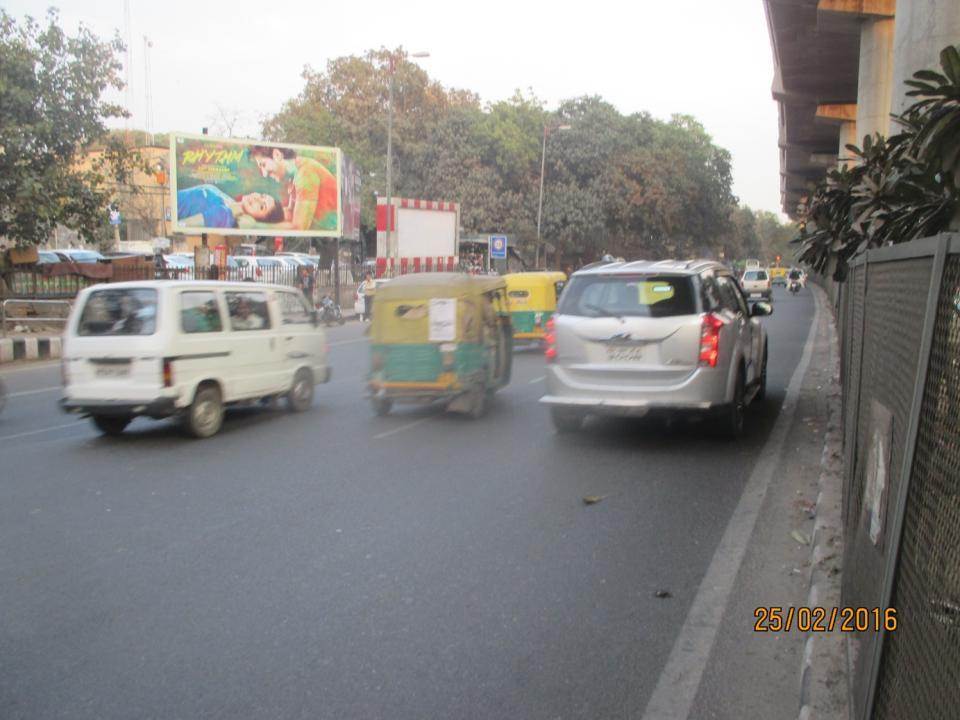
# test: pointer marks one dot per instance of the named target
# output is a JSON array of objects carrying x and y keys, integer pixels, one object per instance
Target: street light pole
[
  {"x": 543, "y": 167},
  {"x": 393, "y": 247},
  {"x": 392, "y": 251}
]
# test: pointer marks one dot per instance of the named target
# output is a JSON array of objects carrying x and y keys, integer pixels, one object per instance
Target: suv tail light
[
  {"x": 167, "y": 372},
  {"x": 550, "y": 341},
  {"x": 710, "y": 340},
  {"x": 259, "y": 271}
]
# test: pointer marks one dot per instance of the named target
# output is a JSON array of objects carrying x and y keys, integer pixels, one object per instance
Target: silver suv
[{"x": 631, "y": 337}]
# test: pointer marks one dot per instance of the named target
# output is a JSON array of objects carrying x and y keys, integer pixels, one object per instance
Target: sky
[{"x": 707, "y": 58}]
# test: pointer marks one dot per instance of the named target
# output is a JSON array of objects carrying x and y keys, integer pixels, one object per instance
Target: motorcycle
[
  {"x": 330, "y": 312},
  {"x": 794, "y": 287}
]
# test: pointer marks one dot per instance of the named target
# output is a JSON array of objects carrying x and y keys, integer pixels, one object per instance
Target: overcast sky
[{"x": 708, "y": 58}]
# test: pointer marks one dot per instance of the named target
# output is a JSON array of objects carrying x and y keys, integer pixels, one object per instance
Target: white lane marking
[
  {"x": 32, "y": 367},
  {"x": 400, "y": 429},
  {"x": 677, "y": 687},
  {"x": 75, "y": 423},
  {"x": 24, "y": 393},
  {"x": 537, "y": 379}
]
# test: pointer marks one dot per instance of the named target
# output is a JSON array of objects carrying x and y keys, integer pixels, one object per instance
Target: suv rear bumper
[{"x": 703, "y": 389}]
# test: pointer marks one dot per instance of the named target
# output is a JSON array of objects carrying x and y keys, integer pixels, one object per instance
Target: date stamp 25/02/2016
[{"x": 775, "y": 619}]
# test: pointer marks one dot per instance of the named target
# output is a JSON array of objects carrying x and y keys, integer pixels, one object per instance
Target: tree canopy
[
  {"x": 51, "y": 111},
  {"x": 631, "y": 185}
]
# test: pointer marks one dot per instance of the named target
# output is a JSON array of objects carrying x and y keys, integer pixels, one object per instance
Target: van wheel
[
  {"x": 205, "y": 415},
  {"x": 110, "y": 425},
  {"x": 382, "y": 406},
  {"x": 300, "y": 397},
  {"x": 730, "y": 424},
  {"x": 566, "y": 421}
]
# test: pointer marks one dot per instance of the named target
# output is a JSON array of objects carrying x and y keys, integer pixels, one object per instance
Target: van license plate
[
  {"x": 755, "y": 295},
  {"x": 113, "y": 371},
  {"x": 624, "y": 354}
]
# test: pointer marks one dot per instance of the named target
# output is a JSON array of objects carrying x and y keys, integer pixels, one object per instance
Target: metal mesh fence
[
  {"x": 883, "y": 370},
  {"x": 852, "y": 329},
  {"x": 920, "y": 673}
]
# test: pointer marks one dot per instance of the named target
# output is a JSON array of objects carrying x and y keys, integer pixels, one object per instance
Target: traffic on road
[{"x": 404, "y": 562}]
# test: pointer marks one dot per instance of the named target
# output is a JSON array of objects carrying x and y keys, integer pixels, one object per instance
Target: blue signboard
[{"x": 498, "y": 247}]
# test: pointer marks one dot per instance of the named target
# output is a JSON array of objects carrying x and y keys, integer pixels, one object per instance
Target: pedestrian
[{"x": 369, "y": 288}]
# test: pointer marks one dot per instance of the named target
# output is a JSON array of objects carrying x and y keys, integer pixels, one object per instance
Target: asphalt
[{"x": 335, "y": 564}]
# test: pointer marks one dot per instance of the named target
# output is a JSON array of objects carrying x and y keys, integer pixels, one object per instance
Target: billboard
[
  {"x": 247, "y": 187},
  {"x": 350, "y": 198}
]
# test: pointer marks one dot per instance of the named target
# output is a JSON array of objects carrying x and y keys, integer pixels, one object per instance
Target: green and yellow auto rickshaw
[
  {"x": 440, "y": 337},
  {"x": 533, "y": 299}
]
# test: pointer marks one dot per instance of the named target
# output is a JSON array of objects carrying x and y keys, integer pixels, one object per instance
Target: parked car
[
  {"x": 756, "y": 285},
  {"x": 187, "y": 350},
  {"x": 259, "y": 267},
  {"x": 80, "y": 256},
  {"x": 629, "y": 338},
  {"x": 47, "y": 256},
  {"x": 301, "y": 258}
]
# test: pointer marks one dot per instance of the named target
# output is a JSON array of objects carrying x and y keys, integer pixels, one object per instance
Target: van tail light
[
  {"x": 167, "y": 372},
  {"x": 710, "y": 340},
  {"x": 259, "y": 272},
  {"x": 550, "y": 341}
]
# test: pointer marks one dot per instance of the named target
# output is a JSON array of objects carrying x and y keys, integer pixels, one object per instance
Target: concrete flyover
[{"x": 839, "y": 67}]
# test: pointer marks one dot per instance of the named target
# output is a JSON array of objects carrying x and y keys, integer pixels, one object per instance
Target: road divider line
[
  {"x": 30, "y": 366},
  {"x": 537, "y": 379},
  {"x": 673, "y": 697},
  {"x": 24, "y": 393},
  {"x": 400, "y": 429},
  {"x": 76, "y": 423}
]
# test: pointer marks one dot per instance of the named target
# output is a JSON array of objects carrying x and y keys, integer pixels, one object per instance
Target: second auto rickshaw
[
  {"x": 440, "y": 336},
  {"x": 533, "y": 299}
]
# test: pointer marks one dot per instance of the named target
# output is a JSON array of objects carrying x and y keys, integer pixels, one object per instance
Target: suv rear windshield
[
  {"x": 755, "y": 275},
  {"x": 123, "y": 311},
  {"x": 629, "y": 295}
]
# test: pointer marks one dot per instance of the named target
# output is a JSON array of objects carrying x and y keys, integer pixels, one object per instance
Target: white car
[
  {"x": 756, "y": 285},
  {"x": 187, "y": 349},
  {"x": 260, "y": 268}
]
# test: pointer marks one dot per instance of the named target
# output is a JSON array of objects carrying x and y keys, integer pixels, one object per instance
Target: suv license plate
[
  {"x": 624, "y": 354},
  {"x": 756, "y": 295}
]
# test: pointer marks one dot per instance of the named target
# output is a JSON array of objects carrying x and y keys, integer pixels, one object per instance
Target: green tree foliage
[
  {"x": 901, "y": 188},
  {"x": 51, "y": 112},
  {"x": 631, "y": 185}
]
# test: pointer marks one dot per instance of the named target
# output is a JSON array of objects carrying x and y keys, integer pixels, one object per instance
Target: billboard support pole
[{"x": 336, "y": 273}]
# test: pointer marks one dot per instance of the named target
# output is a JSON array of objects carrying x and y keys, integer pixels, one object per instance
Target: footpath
[{"x": 792, "y": 560}]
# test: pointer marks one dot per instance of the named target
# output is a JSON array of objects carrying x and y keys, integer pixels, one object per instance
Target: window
[
  {"x": 711, "y": 294},
  {"x": 730, "y": 297},
  {"x": 119, "y": 312},
  {"x": 519, "y": 294},
  {"x": 294, "y": 309},
  {"x": 629, "y": 295},
  {"x": 199, "y": 313},
  {"x": 248, "y": 311},
  {"x": 755, "y": 275}
]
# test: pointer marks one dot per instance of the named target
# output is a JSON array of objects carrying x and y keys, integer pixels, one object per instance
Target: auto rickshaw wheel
[
  {"x": 382, "y": 406},
  {"x": 478, "y": 403}
]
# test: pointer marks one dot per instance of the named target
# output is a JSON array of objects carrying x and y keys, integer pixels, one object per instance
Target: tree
[{"x": 51, "y": 112}]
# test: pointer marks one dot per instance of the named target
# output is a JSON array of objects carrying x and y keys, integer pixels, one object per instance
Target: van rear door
[{"x": 113, "y": 351}]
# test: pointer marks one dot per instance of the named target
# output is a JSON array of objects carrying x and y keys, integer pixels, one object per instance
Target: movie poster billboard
[
  {"x": 247, "y": 187},
  {"x": 350, "y": 198}
]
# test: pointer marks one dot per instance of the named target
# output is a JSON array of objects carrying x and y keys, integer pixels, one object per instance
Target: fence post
[{"x": 916, "y": 405}]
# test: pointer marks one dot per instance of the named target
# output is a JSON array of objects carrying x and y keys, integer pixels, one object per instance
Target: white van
[{"x": 187, "y": 349}]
